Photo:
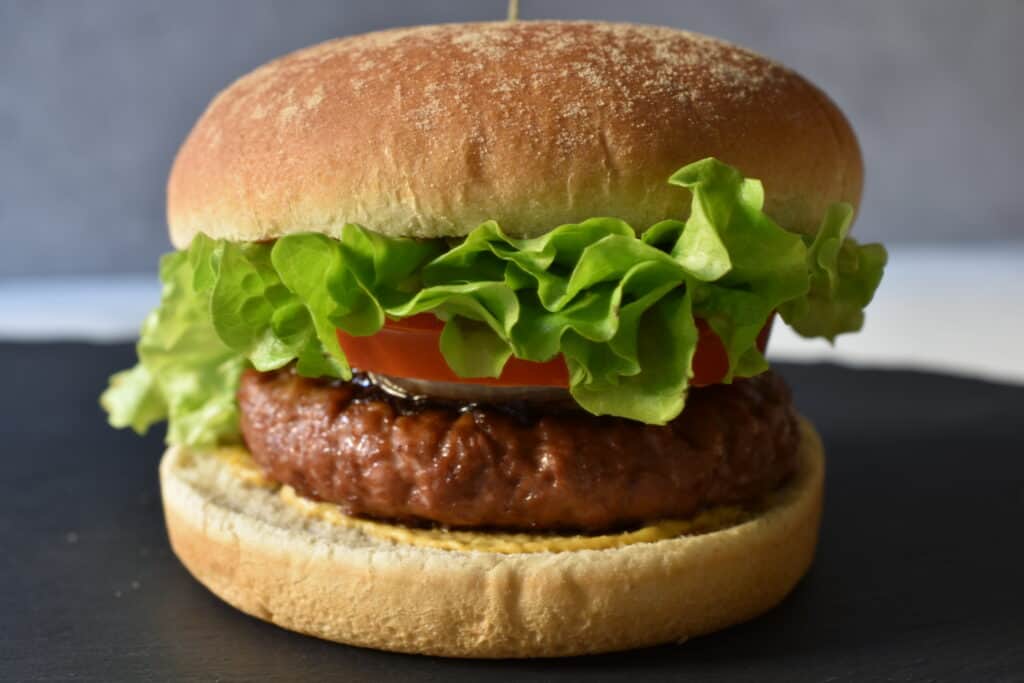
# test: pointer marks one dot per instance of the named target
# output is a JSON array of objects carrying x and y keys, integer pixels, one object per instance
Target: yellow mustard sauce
[{"x": 243, "y": 467}]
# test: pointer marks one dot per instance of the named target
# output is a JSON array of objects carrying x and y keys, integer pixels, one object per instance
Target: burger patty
[{"x": 519, "y": 467}]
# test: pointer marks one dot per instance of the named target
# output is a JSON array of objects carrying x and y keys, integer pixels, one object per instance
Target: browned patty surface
[{"x": 494, "y": 467}]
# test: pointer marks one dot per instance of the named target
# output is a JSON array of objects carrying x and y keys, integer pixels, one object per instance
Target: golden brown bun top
[{"x": 429, "y": 131}]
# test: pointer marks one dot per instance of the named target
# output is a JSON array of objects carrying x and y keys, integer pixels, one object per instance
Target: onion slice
[{"x": 404, "y": 387}]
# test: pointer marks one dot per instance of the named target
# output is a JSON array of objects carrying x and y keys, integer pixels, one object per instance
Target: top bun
[{"x": 429, "y": 131}]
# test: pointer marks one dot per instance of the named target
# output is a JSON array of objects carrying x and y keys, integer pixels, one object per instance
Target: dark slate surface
[{"x": 918, "y": 575}]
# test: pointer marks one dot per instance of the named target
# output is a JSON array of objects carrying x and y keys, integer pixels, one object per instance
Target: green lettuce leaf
[
  {"x": 745, "y": 265},
  {"x": 584, "y": 291},
  {"x": 619, "y": 307},
  {"x": 843, "y": 278},
  {"x": 186, "y": 374}
]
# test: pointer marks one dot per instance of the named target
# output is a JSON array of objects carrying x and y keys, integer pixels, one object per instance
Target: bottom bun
[{"x": 275, "y": 561}]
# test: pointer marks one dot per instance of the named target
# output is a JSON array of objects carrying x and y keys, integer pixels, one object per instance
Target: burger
[{"x": 462, "y": 349}]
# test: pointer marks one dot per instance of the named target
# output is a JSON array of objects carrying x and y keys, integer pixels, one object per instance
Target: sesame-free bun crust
[
  {"x": 272, "y": 560},
  {"x": 429, "y": 131}
]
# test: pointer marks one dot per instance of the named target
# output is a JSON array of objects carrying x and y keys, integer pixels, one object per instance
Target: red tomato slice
[{"x": 410, "y": 348}]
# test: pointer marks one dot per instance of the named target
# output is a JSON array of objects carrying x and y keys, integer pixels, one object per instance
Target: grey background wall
[{"x": 95, "y": 97}]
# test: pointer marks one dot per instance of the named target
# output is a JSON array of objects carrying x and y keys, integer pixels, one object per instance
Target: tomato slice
[{"x": 410, "y": 348}]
